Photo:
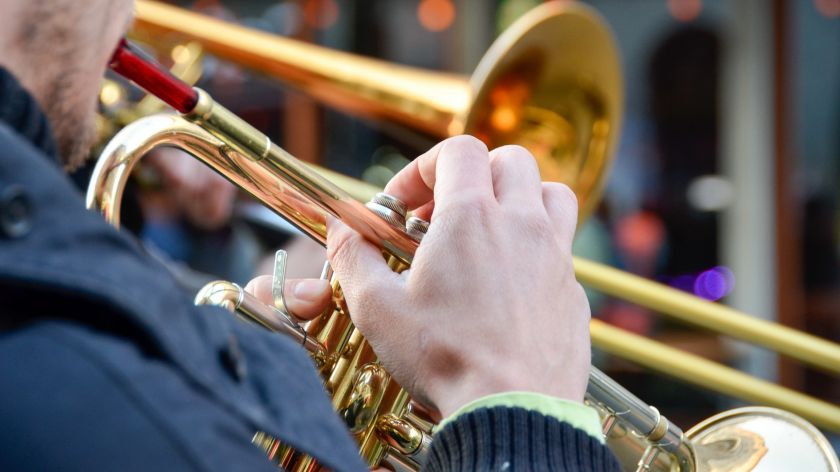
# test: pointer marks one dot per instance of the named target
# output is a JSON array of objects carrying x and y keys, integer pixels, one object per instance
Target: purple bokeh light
[
  {"x": 683, "y": 282},
  {"x": 712, "y": 284},
  {"x": 715, "y": 283}
]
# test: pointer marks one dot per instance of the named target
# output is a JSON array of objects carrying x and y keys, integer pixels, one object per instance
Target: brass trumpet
[
  {"x": 551, "y": 82},
  {"x": 378, "y": 412}
]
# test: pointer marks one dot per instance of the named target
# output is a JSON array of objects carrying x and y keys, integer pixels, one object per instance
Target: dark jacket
[{"x": 105, "y": 364}]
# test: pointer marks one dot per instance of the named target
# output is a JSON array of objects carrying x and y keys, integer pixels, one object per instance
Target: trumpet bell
[{"x": 760, "y": 439}]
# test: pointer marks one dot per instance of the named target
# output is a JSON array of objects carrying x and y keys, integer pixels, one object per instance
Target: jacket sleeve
[{"x": 505, "y": 438}]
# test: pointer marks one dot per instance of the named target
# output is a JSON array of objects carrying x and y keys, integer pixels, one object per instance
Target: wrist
[
  {"x": 452, "y": 395},
  {"x": 575, "y": 414}
]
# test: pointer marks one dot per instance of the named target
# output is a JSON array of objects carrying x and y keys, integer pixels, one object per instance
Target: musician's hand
[
  {"x": 490, "y": 303},
  {"x": 305, "y": 298}
]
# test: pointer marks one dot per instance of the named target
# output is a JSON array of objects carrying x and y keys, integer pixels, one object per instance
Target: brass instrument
[
  {"x": 551, "y": 82},
  {"x": 565, "y": 108},
  {"x": 389, "y": 428}
]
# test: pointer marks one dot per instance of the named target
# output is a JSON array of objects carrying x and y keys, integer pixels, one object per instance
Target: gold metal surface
[
  {"x": 551, "y": 82},
  {"x": 760, "y": 439},
  {"x": 400, "y": 434}
]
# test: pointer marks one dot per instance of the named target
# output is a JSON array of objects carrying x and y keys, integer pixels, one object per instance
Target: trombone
[{"x": 495, "y": 108}]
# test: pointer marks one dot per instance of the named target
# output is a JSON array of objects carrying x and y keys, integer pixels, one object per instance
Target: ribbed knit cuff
[
  {"x": 575, "y": 413},
  {"x": 515, "y": 439}
]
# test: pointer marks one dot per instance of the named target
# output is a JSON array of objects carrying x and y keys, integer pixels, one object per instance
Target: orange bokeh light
[
  {"x": 685, "y": 10},
  {"x": 828, "y": 8},
  {"x": 504, "y": 119},
  {"x": 436, "y": 15},
  {"x": 320, "y": 14}
]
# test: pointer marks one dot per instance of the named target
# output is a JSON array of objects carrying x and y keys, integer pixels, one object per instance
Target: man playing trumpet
[{"x": 106, "y": 365}]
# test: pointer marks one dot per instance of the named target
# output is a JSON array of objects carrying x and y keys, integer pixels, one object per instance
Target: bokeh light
[
  {"x": 828, "y": 8},
  {"x": 710, "y": 193},
  {"x": 110, "y": 94},
  {"x": 685, "y": 10},
  {"x": 714, "y": 283},
  {"x": 320, "y": 14},
  {"x": 436, "y": 15},
  {"x": 640, "y": 234}
]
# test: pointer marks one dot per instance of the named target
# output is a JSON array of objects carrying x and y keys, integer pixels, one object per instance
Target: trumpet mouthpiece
[{"x": 131, "y": 63}]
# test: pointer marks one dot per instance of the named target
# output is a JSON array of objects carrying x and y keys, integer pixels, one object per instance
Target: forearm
[{"x": 511, "y": 438}]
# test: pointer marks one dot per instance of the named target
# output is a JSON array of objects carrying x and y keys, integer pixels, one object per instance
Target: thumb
[
  {"x": 365, "y": 278},
  {"x": 305, "y": 298}
]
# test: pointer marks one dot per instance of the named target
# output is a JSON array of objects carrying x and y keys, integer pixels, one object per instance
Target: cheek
[{"x": 113, "y": 19}]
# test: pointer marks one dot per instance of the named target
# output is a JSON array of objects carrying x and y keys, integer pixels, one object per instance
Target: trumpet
[
  {"x": 390, "y": 429},
  {"x": 551, "y": 83}
]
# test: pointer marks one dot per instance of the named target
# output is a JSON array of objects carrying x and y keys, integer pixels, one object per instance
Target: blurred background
[{"x": 726, "y": 182}]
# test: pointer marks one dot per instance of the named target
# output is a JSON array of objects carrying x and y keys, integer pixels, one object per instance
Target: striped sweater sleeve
[{"x": 515, "y": 439}]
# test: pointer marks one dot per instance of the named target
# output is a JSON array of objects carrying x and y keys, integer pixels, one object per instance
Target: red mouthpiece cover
[{"x": 131, "y": 63}]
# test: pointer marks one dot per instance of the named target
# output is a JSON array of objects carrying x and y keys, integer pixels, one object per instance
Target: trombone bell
[{"x": 551, "y": 83}]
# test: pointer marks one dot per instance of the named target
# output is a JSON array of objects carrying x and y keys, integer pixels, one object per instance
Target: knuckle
[
  {"x": 565, "y": 193},
  {"x": 563, "y": 201},
  {"x": 341, "y": 244},
  {"x": 514, "y": 151},
  {"x": 463, "y": 147},
  {"x": 512, "y": 156},
  {"x": 465, "y": 142}
]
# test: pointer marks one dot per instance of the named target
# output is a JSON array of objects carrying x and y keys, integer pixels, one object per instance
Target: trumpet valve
[
  {"x": 416, "y": 228},
  {"x": 389, "y": 208}
]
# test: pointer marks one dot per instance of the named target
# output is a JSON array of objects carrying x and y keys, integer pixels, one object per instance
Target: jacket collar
[{"x": 20, "y": 111}]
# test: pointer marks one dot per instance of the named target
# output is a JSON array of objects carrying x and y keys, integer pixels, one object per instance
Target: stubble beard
[
  {"x": 65, "y": 78},
  {"x": 72, "y": 121}
]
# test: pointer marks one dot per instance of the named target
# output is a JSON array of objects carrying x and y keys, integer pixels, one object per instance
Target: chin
[
  {"x": 72, "y": 114},
  {"x": 74, "y": 148}
]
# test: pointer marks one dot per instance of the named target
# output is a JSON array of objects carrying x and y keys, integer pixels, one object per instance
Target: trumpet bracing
[{"x": 391, "y": 429}]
